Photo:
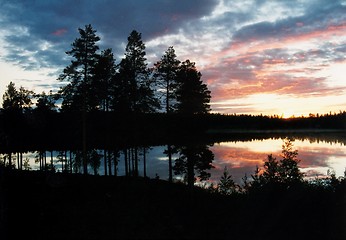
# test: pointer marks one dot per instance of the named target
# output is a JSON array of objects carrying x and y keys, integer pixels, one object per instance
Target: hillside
[{"x": 38, "y": 205}]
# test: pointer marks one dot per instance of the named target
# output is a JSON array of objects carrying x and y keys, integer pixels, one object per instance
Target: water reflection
[
  {"x": 317, "y": 157},
  {"x": 240, "y": 158}
]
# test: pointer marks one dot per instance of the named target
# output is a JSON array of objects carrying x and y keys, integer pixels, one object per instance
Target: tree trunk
[
  {"x": 144, "y": 162},
  {"x": 84, "y": 133},
  {"x": 105, "y": 161},
  {"x": 115, "y": 163},
  {"x": 51, "y": 160},
  {"x": 21, "y": 161},
  {"x": 136, "y": 162},
  {"x": 65, "y": 160},
  {"x": 45, "y": 161},
  {"x": 132, "y": 162},
  {"x": 109, "y": 163},
  {"x": 190, "y": 173},
  {"x": 170, "y": 167},
  {"x": 10, "y": 160},
  {"x": 126, "y": 164},
  {"x": 71, "y": 166},
  {"x": 18, "y": 164},
  {"x": 40, "y": 159}
]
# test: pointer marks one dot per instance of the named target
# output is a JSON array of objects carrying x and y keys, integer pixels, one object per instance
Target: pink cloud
[
  {"x": 239, "y": 156},
  {"x": 265, "y": 66},
  {"x": 59, "y": 32},
  {"x": 299, "y": 24},
  {"x": 258, "y": 44}
]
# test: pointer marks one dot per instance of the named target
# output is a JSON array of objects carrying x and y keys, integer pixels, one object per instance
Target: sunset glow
[
  {"x": 287, "y": 62},
  {"x": 243, "y": 157}
]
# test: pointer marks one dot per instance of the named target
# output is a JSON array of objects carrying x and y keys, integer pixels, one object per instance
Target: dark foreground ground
[{"x": 37, "y": 205}]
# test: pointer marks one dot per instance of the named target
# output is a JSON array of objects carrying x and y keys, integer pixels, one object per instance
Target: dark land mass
[
  {"x": 33, "y": 131},
  {"x": 42, "y": 205}
]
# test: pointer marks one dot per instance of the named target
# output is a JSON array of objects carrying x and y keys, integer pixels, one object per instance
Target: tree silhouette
[
  {"x": 271, "y": 170},
  {"x": 94, "y": 160},
  {"x": 79, "y": 93},
  {"x": 193, "y": 95},
  {"x": 103, "y": 80},
  {"x": 289, "y": 170},
  {"x": 134, "y": 93},
  {"x": 166, "y": 73},
  {"x": 279, "y": 173},
  {"x": 226, "y": 184},
  {"x": 45, "y": 103},
  {"x": 104, "y": 84},
  {"x": 16, "y": 101},
  {"x": 194, "y": 157},
  {"x": 134, "y": 86}
]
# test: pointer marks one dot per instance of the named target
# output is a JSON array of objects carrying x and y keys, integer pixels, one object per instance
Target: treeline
[
  {"x": 104, "y": 130},
  {"x": 263, "y": 122},
  {"x": 63, "y": 130}
]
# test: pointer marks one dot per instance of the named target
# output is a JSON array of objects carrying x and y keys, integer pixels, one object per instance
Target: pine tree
[
  {"x": 45, "y": 103},
  {"x": 79, "y": 94},
  {"x": 166, "y": 73},
  {"x": 271, "y": 170},
  {"x": 104, "y": 77},
  {"x": 135, "y": 92},
  {"x": 193, "y": 95},
  {"x": 17, "y": 101},
  {"x": 194, "y": 157},
  {"x": 289, "y": 171},
  {"x": 226, "y": 184}
]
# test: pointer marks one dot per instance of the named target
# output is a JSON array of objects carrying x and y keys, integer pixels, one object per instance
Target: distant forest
[{"x": 106, "y": 104}]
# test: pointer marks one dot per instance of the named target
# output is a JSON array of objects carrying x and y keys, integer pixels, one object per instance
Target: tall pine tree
[
  {"x": 103, "y": 80},
  {"x": 193, "y": 95},
  {"x": 79, "y": 94},
  {"x": 166, "y": 73},
  {"x": 134, "y": 86}
]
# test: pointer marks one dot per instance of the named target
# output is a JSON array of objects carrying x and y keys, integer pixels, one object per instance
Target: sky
[{"x": 281, "y": 58}]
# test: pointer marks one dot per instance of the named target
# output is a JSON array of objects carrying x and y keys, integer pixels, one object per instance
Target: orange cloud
[
  {"x": 238, "y": 157},
  {"x": 267, "y": 66}
]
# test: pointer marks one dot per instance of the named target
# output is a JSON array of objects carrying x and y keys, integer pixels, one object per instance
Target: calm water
[{"x": 240, "y": 157}]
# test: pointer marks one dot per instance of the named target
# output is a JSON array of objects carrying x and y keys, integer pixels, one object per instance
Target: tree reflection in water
[{"x": 199, "y": 161}]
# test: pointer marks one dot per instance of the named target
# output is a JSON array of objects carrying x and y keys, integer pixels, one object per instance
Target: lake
[{"x": 317, "y": 155}]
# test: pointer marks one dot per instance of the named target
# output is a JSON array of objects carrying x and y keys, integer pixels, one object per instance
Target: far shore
[{"x": 254, "y": 131}]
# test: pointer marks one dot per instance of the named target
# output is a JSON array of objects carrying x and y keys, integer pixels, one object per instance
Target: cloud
[
  {"x": 60, "y": 32},
  {"x": 271, "y": 57},
  {"x": 242, "y": 48},
  {"x": 57, "y": 21},
  {"x": 315, "y": 19}
]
